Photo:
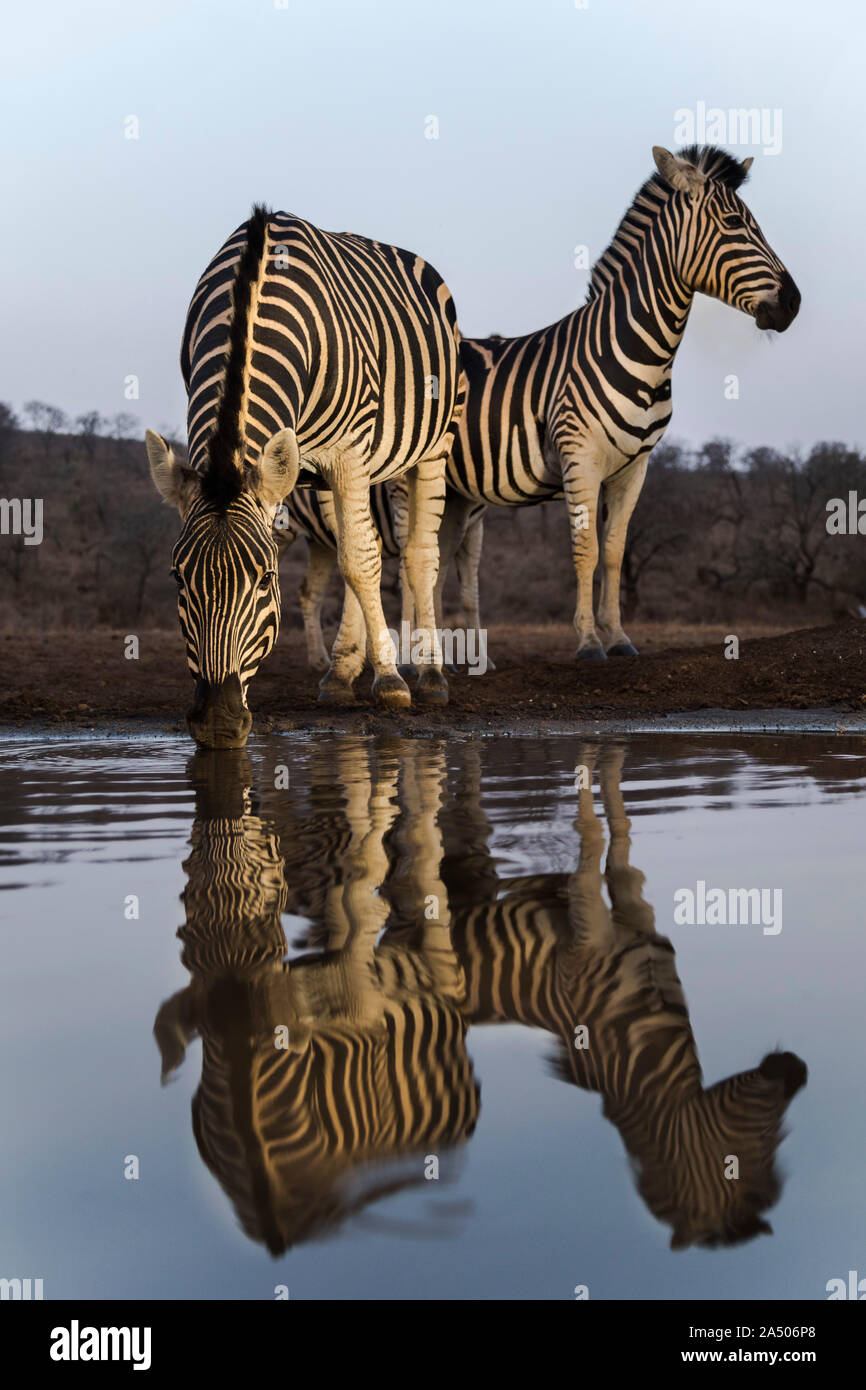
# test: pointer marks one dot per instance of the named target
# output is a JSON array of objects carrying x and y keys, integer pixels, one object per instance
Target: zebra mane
[
  {"x": 715, "y": 163},
  {"x": 223, "y": 478}
]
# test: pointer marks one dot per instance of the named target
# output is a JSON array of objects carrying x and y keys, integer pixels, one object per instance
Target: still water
[{"x": 363, "y": 1018}]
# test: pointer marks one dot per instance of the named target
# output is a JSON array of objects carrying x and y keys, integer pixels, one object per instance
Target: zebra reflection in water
[
  {"x": 314, "y": 1070},
  {"x": 413, "y": 938},
  {"x": 551, "y": 953}
]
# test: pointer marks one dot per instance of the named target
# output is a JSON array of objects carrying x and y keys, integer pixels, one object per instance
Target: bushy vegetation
[{"x": 718, "y": 534}]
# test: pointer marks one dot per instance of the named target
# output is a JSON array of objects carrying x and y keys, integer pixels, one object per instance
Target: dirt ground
[{"x": 82, "y": 679}]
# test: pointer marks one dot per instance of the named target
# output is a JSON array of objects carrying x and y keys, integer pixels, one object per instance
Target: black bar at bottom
[{"x": 66, "y": 1338}]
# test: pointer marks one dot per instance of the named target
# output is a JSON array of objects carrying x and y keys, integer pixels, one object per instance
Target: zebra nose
[
  {"x": 217, "y": 718},
  {"x": 228, "y": 693},
  {"x": 232, "y": 695},
  {"x": 789, "y": 296},
  {"x": 786, "y": 1067}
]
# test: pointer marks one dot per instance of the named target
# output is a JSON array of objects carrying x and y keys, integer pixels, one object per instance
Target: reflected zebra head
[
  {"x": 712, "y": 1175},
  {"x": 225, "y": 565},
  {"x": 715, "y": 243}
]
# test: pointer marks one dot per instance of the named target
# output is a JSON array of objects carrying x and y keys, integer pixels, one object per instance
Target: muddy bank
[
  {"x": 815, "y": 677},
  {"x": 837, "y": 723}
]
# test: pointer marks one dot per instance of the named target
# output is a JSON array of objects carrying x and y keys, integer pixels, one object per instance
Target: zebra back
[{"x": 340, "y": 329}]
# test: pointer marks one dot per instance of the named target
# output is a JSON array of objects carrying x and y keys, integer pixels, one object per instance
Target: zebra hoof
[
  {"x": 622, "y": 649},
  {"x": 432, "y": 688},
  {"x": 591, "y": 654},
  {"x": 392, "y": 691},
  {"x": 333, "y": 690}
]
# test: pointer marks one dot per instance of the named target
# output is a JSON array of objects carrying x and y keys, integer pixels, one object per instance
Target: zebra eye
[
  {"x": 733, "y": 221},
  {"x": 265, "y": 581},
  {"x": 177, "y": 577}
]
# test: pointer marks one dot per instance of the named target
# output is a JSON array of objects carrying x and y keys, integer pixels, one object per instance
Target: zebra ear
[
  {"x": 174, "y": 482},
  {"x": 682, "y": 177},
  {"x": 276, "y": 472},
  {"x": 746, "y": 164},
  {"x": 173, "y": 1029}
]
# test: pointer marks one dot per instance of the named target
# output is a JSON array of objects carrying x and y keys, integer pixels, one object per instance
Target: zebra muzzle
[
  {"x": 780, "y": 314},
  {"x": 218, "y": 717},
  {"x": 787, "y": 1068}
]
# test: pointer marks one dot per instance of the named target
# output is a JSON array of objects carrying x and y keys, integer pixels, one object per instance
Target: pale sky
[{"x": 546, "y": 117}]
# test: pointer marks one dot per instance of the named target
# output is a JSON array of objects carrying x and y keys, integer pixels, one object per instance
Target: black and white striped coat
[
  {"x": 319, "y": 359},
  {"x": 374, "y": 1061},
  {"x": 576, "y": 408},
  {"x": 317, "y": 1068}
]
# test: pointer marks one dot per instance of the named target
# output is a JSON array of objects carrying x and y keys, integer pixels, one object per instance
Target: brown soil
[{"x": 83, "y": 678}]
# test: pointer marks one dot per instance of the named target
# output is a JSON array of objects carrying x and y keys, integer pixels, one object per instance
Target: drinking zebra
[
  {"x": 310, "y": 359},
  {"x": 575, "y": 409}
]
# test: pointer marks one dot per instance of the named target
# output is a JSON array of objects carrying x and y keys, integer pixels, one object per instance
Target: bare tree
[
  {"x": 8, "y": 438},
  {"x": 140, "y": 540},
  {"x": 90, "y": 426},
  {"x": 46, "y": 421}
]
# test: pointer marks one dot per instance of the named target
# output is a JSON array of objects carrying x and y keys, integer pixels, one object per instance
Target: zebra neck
[
  {"x": 654, "y": 1097},
  {"x": 636, "y": 288}
]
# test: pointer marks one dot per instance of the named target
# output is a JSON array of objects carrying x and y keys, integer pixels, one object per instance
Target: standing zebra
[
  {"x": 310, "y": 359},
  {"x": 310, "y": 514},
  {"x": 577, "y": 407}
]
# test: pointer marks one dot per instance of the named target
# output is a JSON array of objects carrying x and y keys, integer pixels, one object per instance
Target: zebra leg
[
  {"x": 631, "y": 912},
  {"x": 468, "y": 564},
  {"x": 175, "y": 1026},
  {"x": 320, "y": 568},
  {"x": 398, "y": 502},
  {"x": 347, "y": 654},
  {"x": 580, "y": 483},
  {"x": 415, "y": 887},
  {"x": 620, "y": 493},
  {"x": 426, "y": 492},
  {"x": 589, "y": 916},
  {"x": 452, "y": 534},
  {"x": 348, "y": 989},
  {"x": 359, "y": 555}
]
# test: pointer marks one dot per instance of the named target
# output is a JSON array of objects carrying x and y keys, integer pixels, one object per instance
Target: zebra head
[
  {"x": 712, "y": 1175},
  {"x": 225, "y": 564},
  {"x": 715, "y": 243}
]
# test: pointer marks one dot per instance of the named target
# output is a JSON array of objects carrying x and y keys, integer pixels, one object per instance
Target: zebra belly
[
  {"x": 519, "y": 475},
  {"x": 306, "y": 517}
]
